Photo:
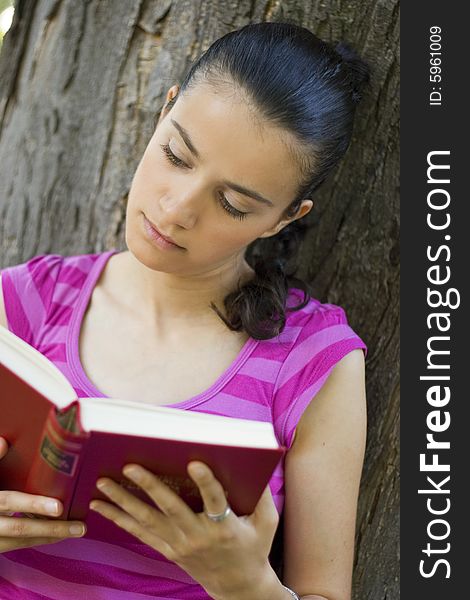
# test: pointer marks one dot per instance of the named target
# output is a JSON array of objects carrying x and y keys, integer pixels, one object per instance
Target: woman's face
[{"x": 188, "y": 185}]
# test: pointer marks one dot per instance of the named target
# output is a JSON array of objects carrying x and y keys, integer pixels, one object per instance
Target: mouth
[{"x": 161, "y": 235}]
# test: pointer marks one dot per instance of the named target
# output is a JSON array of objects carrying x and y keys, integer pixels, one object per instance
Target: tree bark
[{"x": 80, "y": 85}]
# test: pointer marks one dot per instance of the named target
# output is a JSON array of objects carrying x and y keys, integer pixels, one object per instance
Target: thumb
[
  {"x": 265, "y": 512},
  {"x": 3, "y": 447}
]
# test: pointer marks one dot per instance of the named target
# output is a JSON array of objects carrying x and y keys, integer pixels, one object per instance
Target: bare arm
[{"x": 322, "y": 477}]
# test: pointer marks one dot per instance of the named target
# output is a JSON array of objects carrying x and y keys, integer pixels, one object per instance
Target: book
[{"x": 59, "y": 444}]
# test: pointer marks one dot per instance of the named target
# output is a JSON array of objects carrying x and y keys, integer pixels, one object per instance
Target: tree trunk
[{"x": 81, "y": 83}]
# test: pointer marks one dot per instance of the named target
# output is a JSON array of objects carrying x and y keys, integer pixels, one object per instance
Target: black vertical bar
[{"x": 434, "y": 272}]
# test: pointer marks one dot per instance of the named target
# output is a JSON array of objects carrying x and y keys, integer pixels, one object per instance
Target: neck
[{"x": 166, "y": 300}]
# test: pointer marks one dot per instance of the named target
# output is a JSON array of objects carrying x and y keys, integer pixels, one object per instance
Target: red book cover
[{"x": 47, "y": 459}]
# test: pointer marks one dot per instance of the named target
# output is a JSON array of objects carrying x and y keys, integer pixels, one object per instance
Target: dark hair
[{"x": 298, "y": 82}]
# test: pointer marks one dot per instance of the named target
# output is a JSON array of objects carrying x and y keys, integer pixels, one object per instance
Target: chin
[{"x": 150, "y": 257}]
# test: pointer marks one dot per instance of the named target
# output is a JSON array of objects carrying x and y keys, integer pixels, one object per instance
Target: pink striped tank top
[{"x": 270, "y": 380}]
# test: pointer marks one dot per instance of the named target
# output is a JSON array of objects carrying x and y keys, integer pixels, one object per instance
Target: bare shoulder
[
  {"x": 322, "y": 476},
  {"x": 3, "y": 316},
  {"x": 341, "y": 398}
]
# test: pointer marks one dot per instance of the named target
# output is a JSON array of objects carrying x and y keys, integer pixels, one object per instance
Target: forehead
[{"x": 235, "y": 144}]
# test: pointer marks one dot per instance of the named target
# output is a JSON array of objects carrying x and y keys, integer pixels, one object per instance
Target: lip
[{"x": 158, "y": 235}]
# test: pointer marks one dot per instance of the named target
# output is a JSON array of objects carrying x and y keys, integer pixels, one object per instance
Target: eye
[
  {"x": 171, "y": 157},
  {"x": 236, "y": 214}
]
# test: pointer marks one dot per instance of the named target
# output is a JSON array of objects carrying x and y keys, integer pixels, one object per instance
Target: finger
[
  {"x": 212, "y": 491},
  {"x": 19, "y": 527},
  {"x": 131, "y": 525},
  {"x": 171, "y": 505},
  {"x": 13, "y": 501},
  {"x": 143, "y": 513},
  {"x": 3, "y": 447}
]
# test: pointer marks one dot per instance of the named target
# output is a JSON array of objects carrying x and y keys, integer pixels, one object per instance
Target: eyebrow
[{"x": 234, "y": 186}]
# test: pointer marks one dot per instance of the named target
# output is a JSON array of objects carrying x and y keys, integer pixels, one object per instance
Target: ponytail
[{"x": 310, "y": 89}]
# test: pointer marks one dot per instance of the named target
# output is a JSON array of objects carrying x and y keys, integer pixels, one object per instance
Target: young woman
[{"x": 203, "y": 312}]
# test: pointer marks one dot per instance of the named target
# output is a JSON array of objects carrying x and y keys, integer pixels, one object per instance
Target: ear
[
  {"x": 304, "y": 208},
  {"x": 171, "y": 93}
]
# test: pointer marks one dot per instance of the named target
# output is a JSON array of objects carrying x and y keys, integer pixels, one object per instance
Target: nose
[{"x": 182, "y": 207}]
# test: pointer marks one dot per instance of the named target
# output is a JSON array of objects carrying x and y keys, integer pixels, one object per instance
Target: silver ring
[
  {"x": 292, "y": 593},
  {"x": 219, "y": 516}
]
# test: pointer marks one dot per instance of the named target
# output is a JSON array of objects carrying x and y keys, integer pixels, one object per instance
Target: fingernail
[
  {"x": 198, "y": 470},
  {"x": 77, "y": 529},
  {"x": 52, "y": 506},
  {"x": 133, "y": 473}
]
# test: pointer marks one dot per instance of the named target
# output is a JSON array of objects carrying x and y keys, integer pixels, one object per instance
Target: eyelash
[{"x": 236, "y": 214}]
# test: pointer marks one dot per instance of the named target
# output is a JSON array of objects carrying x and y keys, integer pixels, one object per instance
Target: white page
[
  {"x": 27, "y": 362},
  {"x": 121, "y": 416}
]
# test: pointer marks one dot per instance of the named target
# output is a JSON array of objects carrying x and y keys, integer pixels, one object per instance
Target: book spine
[{"x": 55, "y": 467}]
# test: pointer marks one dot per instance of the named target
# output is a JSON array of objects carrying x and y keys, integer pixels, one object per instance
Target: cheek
[
  {"x": 142, "y": 183},
  {"x": 152, "y": 168},
  {"x": 227, "y": 237}
]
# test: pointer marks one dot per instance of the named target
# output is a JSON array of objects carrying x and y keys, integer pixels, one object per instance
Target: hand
[
  {"x": 17, "y": 532},
  {"x": 222, "y": 556}
]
